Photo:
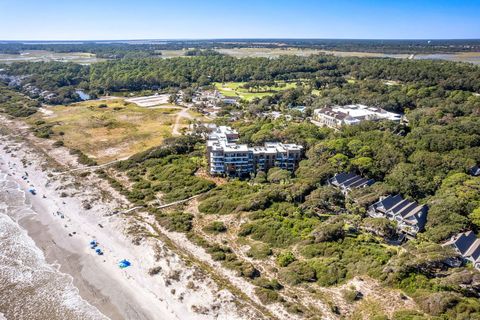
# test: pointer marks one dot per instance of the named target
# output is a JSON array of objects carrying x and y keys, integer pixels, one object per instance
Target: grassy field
[
  {"x": 41, "y": 55},
  {"x": 108, "y": 133},
  {"x": 233, "y": 89}
]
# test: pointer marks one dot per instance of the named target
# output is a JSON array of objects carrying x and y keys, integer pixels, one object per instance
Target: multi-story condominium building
[
  {"x": 348, "y": 181},
  {"x": 467, "y": 245},
  {"x": 409, "y": 215},
  {"x": 337, "y": 116},
  {"x": 226, "y": 157}
]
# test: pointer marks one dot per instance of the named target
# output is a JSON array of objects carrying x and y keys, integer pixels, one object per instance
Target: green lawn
[{"x": 233, "y": 89}]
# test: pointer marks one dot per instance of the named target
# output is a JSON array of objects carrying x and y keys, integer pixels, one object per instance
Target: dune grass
[{"x": 109, "y": 130}]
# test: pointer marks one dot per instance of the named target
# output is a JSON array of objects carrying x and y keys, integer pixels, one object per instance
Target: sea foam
[{"x": 30, "y": 288}]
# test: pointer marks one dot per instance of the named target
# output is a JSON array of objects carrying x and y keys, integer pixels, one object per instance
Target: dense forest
[{"x": 320, "y": 71}]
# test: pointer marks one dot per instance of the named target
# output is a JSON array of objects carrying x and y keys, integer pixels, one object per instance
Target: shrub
[
  {"x": 244, "y": 269},
  {"x": 218, "y": 253},
  {"x": 268, "y": 284},
  {"x": 334, "y": 262},
  {"x": 351, "y": 295},
  {"x": 83, "y": 158},
  {"x": 330, "y": 272},
  {"x": 226, "y": 199},
  {"x": 437, "y": 303},
  {"x": 176, "y": 221},
  {"x": 285, "y": 258},
  {"x": 43, "y": 131},
  {"x": 259, "y": 251},
  {"x": 267, "y": 296},
  {"x": 215, "y": 227},
  {"x": 174, "y": 177},
  {"x": 280, "y": 225},
  {"x": 295, "y": 308},
  {"x": 58, "y": 144},
  {"x": 407, "y": 315},
  {"x": 16, "y": 104},
  {"x": 329, "y": 232},
  {"x": 297, "y": 272},
  {"x": 380, "y": 226},
  {"x": 277, "y": 175},
  {"x": 84, "y": 174}
]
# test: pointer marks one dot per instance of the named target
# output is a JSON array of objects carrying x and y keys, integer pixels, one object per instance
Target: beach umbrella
[{"x": 124, "y": 264}]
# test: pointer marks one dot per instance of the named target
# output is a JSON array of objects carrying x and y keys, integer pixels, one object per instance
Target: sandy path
[{"x": 177, "y": 126}]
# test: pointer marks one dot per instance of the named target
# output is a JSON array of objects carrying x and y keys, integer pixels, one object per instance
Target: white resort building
[
  {"x": 226, "y": 157},
  {"x": 337, "y": 116}
]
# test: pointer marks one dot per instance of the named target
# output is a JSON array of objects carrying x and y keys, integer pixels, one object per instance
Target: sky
[{"x": 215, "y": 19}]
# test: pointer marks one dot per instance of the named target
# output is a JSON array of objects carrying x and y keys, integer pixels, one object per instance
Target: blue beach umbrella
[{"x": 124, "y": 264}]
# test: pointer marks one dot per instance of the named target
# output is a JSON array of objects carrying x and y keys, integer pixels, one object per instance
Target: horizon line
[{"x": 238, "y": 39}]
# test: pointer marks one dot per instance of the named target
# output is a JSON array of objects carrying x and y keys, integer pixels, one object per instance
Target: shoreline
[
  {"x": 73, "y": 257},
  {"x": 179, "y": 290},
  {"x": 67, "y": 262}
]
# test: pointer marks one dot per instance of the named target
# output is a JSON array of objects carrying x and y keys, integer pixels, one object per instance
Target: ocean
[{"x": 31, "y": 288}]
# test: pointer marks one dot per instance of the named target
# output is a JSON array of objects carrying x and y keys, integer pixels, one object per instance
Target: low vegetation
[{"x": 16, "y": 104}]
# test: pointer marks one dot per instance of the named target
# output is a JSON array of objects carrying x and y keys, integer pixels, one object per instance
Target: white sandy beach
[{"x": 178, "y": 291}]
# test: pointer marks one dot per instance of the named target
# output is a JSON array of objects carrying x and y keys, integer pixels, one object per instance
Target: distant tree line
[{"x": 118, "y": 49}]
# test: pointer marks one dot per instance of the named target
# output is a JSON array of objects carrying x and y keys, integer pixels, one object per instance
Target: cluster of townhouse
[
  {"x": 226, "y": 156},
  {"x": 467, "y": 245},
  {"x": 346, "y": 182},
  {"x": 338, "y": 116},
  {"x": 409, "y": 215}
]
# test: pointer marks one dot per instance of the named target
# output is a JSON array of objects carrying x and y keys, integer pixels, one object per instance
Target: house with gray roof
[
  {"x": 467, "y": 245},
  {"x": 349, "y": 181},
  {"x": 475, "y": 171},
  {"x": 409, "y": 215}
]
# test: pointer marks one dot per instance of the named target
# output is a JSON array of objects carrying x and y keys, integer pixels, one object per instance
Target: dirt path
[{"x": 182, "y": 114}]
